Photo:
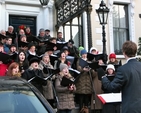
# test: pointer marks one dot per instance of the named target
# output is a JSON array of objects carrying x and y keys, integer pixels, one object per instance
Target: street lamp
[
  {"x": 44, "y": 2},
  {"x": 103, "y": 17},
  {"x": 140, "y": 15}
]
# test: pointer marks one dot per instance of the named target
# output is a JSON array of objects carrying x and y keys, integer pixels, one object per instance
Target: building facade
[{"x": 83, "y": 27}]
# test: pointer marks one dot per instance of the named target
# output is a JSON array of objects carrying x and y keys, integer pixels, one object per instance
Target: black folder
[
  {"x": 47, "y": 70},
  {"x": 60, "y": 45},
  {"x": 93, "y": 65},
  {"x": 23, "y": 44},
  {"x": 37, "y": 79},
  {"x": 83, "y": 63},
  {"x": 66, "y": 82},
  {"x": 74, "y": 73},
  {"x": 4, "y": 57},
  {"x": 52, "y": 59},
  {"x": 14, "y": 56},
  {"x": 30, "y": 56},
  {"x": 96, "y": 57}
]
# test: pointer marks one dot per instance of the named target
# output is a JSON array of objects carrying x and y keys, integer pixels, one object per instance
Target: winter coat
[
  {"x": 37, "y": 81},
  {"x": 3, "y": 69},
  {"x": 97, "y": 87},
  {"x": 65, "y": 97},
  {"x": 84, "y": 83},
  {"x": 48, "y": 89}
]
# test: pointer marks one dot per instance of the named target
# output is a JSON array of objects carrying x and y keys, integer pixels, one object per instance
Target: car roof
[{"x": 10, "y": 81}]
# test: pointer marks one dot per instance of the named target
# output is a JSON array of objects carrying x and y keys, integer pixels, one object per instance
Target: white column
[
  {"x": 51, "y": 17},
  {"x": 45, "y": 17},
  {"x": 0, "y": 15},
  {"x": 131, "y": 20},
  {"x": 85, "y": 31}
]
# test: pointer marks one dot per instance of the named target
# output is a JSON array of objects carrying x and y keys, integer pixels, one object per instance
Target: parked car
[{"x": 19, "y": 96}]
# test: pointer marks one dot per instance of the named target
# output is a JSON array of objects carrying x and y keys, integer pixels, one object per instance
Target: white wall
[{"x": 44, "y": 15}]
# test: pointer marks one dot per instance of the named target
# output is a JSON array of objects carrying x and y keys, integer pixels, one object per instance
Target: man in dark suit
[{"x": 128, "y": 80}]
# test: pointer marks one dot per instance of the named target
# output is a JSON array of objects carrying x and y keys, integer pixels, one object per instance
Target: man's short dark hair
[
  {"x": 47, "y": 30},
  {"x": 129, "y": 48},
  {"x": 59, "y": 33}
]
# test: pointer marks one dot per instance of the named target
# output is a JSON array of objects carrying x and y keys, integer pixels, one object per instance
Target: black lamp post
[
  {"x": 44, "y": 2},
  {"x": 103, "y": 17},
  {"x": 139, "y": 15}
]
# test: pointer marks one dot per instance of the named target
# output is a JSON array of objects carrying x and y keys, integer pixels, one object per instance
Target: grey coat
[
  {"x": 48, "y": 89},
  {"x": 65, "y": 97}
]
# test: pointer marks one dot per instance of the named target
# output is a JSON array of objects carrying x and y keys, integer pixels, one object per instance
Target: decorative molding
[
  {"x": 110, "y": 6},
  {"x": 25, "y": 2},
  {"x": 111, "y": 2},
  {"x": 50, "y": 4},
  {"x": 132, "y": 8}
]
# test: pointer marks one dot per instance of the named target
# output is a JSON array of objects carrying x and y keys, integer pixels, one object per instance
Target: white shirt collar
[{"x": 130, "y": 59}]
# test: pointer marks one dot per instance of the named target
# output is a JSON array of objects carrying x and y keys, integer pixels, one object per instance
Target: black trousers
[{"x": 83, "y": 100}]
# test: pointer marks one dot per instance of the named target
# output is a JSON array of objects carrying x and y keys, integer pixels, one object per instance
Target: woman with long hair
[
  {"x": 13, "y": 70},
  {"x": 22, "y": 61}
]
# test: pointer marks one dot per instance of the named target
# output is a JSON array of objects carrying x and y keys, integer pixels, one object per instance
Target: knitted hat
[
  {"x": 65, "y": 48},
  {"x": 110, "y": 66},
  {"x": 112, "y": 55},
  {"x": 62, "y": 66},
  {"x": 93, "y": 48},
  {"x": 22, "y": 36},
  {"x": 81, "y": 48},
  {"x": 83, "y": 52}
]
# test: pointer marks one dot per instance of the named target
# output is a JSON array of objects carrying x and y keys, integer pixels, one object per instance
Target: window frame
[
  {"x": 131, "y": 12},
  {"x": 126, "y": 29}
]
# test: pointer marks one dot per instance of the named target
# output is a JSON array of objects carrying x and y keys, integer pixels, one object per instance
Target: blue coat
[{"x": 128, "y": 80}]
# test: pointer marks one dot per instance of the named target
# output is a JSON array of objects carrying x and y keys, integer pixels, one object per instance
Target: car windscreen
[{"x": 20, "y": 101}]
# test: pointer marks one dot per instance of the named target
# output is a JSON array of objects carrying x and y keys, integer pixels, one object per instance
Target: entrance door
[{"x": 16, "y": 21}]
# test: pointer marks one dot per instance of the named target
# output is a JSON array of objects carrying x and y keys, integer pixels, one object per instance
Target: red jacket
[{"x": 3, "y": 69}]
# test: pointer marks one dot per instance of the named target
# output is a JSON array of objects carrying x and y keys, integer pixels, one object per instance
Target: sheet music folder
[
  {"x": 66, "y": 82},
  {"x": 97, "y": 57},
  {"x": 83, "y": 63},
  {"x": 37, "y": 79},
  {"x": 110, "y": 97},
  {"x": 47, "y": 70},
  {"x": 74, "y": 73}
]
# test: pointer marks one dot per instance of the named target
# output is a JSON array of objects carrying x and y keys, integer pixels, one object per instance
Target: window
[
  {"x": 74, "y": 30},
  {"x": 120, "y": 26}
]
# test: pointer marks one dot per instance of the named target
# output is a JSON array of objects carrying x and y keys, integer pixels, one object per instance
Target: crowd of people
[{"x": 37, "y": 59}]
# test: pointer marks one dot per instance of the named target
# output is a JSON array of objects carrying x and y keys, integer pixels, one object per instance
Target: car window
[{"x": 20, "y": 102}]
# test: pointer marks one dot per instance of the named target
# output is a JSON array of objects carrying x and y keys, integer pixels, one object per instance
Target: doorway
[{"x": 16, "y": 21}]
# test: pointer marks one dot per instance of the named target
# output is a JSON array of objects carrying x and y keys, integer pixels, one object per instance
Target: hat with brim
[{"x": 34, "y": 59}]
